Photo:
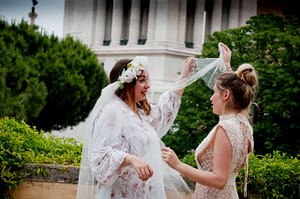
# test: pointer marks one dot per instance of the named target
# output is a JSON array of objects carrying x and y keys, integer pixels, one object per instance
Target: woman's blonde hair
[{"x": 241, "y": 83}]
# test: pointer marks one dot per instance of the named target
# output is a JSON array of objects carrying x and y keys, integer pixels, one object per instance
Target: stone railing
[
  {"x": 48, "y": 182},
  {"x": 54, "y": 181}
]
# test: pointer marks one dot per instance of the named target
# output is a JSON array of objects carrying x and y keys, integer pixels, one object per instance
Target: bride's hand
[
  {"x": 143, "y": 170},
  {"x": 187, "y": 67}
]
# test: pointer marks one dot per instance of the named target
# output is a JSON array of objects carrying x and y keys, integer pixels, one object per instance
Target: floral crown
[{"x": 134, "y": 69}]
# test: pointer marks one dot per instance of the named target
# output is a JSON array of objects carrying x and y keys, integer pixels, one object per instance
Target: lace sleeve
[
  {"x": 164, "y": 113},
  {"x": 107, "y": 148}
]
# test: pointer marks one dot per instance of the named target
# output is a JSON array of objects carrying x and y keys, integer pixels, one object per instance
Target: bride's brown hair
[{"x": 127, "y": 93}]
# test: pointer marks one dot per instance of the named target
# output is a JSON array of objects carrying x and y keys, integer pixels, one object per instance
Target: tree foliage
[
  {"x": 271, "y": 44},
  {"x": 194, "y": 119},
  {"x": 47, "y": 82}
]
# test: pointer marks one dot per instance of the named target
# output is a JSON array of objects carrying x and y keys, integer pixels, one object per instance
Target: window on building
[
  {"x": 108, "y": 23},
  {"x": 190, "y": 19},
  {"x": 144, "y": 14},
  {"x": 125, "y": 22}
]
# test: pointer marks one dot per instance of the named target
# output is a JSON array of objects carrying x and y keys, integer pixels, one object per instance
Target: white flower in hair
[{"x": 134, "y": 69}]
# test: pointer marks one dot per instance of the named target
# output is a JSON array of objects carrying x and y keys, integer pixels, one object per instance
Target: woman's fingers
[
  {"x": 142, "y": 174},
  {"x": 188, "y": 66},
  {"x": 145, "y": 173},
  {"x": 166, "y": 153},
  {"x": 148, "y": 172},
  {"x": 170, "y": 157},
  {"x": 225, "y": 48}
]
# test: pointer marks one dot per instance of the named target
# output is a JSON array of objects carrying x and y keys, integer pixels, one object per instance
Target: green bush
[
  {"x": 274, "y": 175},
  {"x": 48, "y": 82},
  {"x": 22, "y": 144},
  {"x": 190, "y": 159}
]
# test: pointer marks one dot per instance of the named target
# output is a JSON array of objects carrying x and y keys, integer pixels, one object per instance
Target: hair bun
[{"x": 247, "y": 73}]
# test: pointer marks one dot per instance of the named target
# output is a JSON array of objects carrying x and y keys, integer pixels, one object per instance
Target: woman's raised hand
[
  {"x": 188, "y": 67},
  {"x": 225, "y": 53}
]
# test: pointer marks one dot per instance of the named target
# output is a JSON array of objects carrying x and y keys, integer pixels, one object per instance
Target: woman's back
[{"x": 239, "y": 133}]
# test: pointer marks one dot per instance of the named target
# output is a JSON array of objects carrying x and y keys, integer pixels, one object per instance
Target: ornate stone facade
[{"x": 166, "y": 31}]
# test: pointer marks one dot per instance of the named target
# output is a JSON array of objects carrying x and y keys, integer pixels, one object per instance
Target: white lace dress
[
  {"x": 240, "y": 133},
  {"x": 119, "y": 131}
]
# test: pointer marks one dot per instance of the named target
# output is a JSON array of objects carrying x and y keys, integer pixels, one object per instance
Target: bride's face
[{"x": 141, "y": 86}]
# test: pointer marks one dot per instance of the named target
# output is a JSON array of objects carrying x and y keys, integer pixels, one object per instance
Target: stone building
[{"x": 166, "y": 31}]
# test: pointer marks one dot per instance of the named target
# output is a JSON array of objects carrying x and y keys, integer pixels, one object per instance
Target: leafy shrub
[
  {"x": 48, "y": 82},
  {"x": 190, "y": 159},
  {"x": 22, "y": 144},
  {"x": 274, "y": 175}
]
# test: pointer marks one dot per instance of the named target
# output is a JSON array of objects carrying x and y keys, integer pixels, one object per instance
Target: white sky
[{"x": 50, "y": 13}]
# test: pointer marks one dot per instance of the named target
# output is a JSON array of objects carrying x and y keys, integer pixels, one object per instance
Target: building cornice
[{"x": 168, "y": 48}]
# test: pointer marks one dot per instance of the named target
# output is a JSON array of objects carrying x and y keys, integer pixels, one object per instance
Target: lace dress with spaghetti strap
[{"x": 240, "y": 134}]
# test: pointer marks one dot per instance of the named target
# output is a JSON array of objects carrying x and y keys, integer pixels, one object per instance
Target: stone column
[
  {"x": 216, "y": 18},
  {"x": 199, "y": 24},
  {"x": 161, "y": 21},
  {"x": 182, "y": 22},
  {"x": 234, "y": 15},
  {"x": 134, "y": 23},
  {"x": 151, "y": 22},
  {"x": 78, "y": 19},
  {"x": 248, "y": 9},
  {"x": 99, "y": 23},
  {"x": 116, "y": 23},
  {"x": 173, "y": 21}
]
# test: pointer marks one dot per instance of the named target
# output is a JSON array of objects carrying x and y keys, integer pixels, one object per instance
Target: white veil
[
  {"x": 86, "y": 182},
  {"x": 207, "y": 68}
]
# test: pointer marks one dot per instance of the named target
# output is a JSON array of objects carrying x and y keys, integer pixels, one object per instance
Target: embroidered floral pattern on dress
[{"x": 112, "y": 141}]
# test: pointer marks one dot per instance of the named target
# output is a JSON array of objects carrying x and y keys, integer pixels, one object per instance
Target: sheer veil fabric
[{"x": 176, "y": 188}]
